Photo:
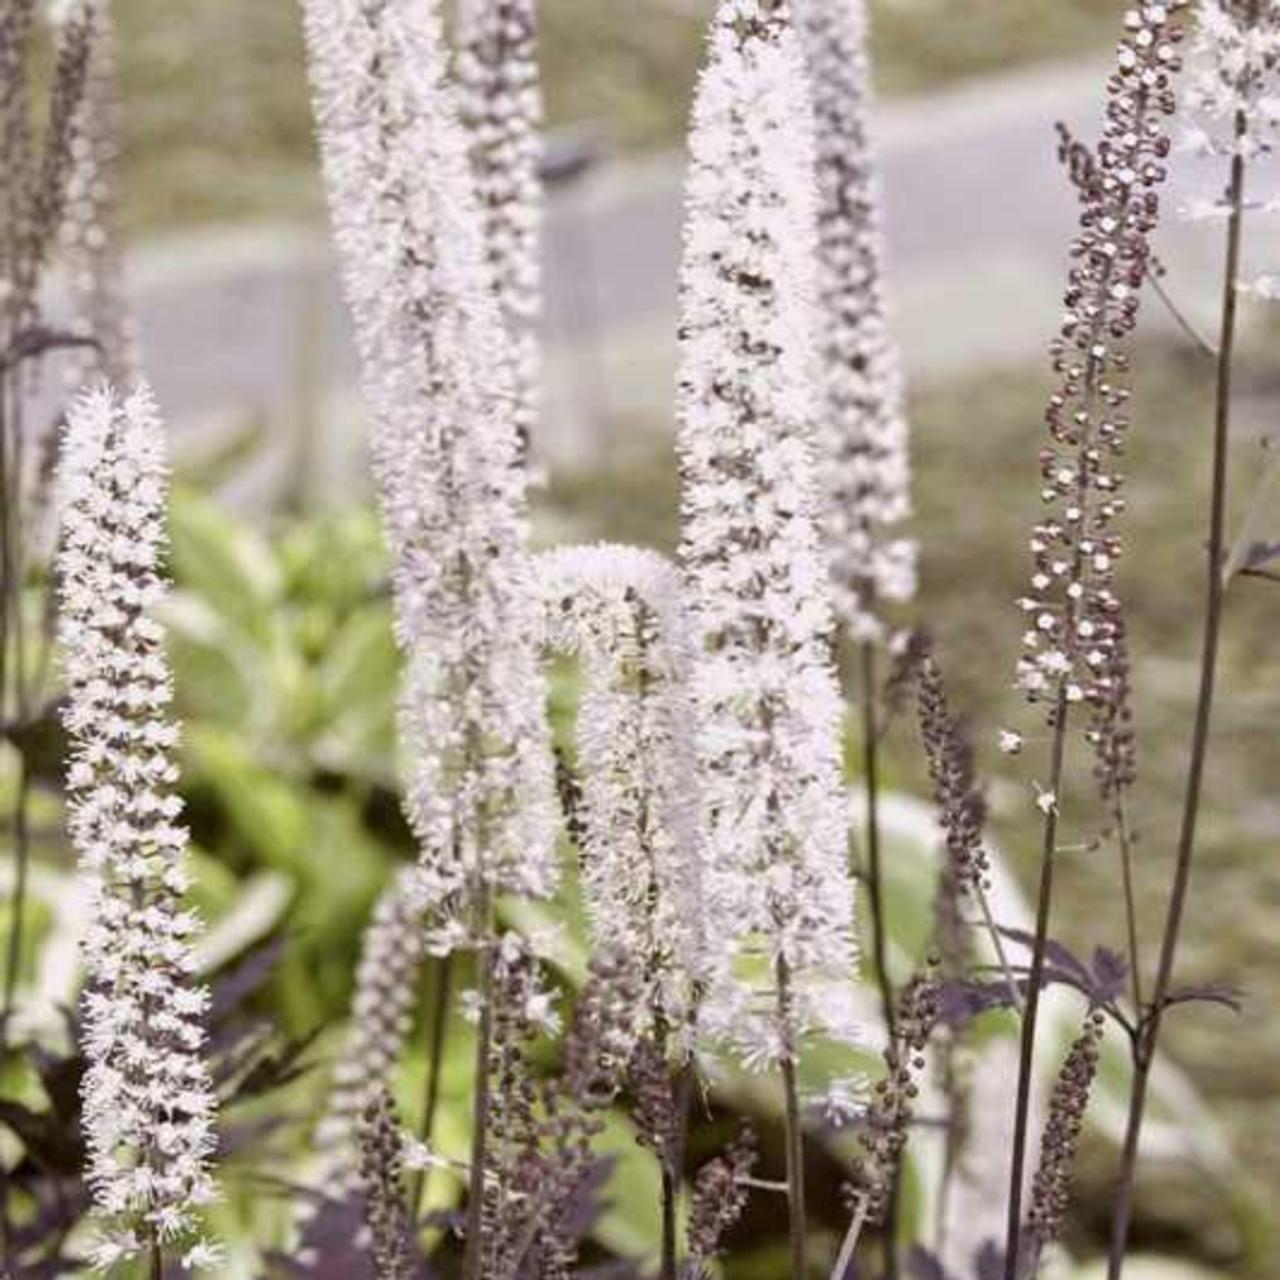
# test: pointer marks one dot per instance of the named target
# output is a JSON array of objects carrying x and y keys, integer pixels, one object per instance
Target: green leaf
[
  {"x": 266, "y": 813},
  {"x": 223, "y": 561}
]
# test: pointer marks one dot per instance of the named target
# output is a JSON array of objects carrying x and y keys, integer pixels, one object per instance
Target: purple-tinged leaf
[
  {"x": 1223, "y": 993},
  {"x": 1110, "y": 969},
  {"x": 1055, "y": 952},
  {"x": 1261, "y": 553}
]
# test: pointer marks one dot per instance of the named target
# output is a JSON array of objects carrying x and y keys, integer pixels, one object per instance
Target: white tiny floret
[{"x": 148, "y": 1104}]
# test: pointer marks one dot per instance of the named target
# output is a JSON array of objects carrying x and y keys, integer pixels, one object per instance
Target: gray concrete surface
[{"x": 246, "y": 323}]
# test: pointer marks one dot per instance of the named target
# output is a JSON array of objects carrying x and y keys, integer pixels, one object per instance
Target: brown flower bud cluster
[
  {"x": 1051, "y": 1188},
  {"x": 719, "y": 1197},
  {"x": 962, "y": 808},
  {"x": 888, "y": 1117},
  {"x": 382, "y": 1185}
]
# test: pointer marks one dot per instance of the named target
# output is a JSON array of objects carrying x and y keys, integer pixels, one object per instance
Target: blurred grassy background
[{"x": 217, "y": 119}]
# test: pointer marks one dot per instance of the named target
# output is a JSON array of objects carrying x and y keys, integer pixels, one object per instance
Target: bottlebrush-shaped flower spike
[
  {"x": 863, "y": 428},
  {"x": 619, "y": 610},
  {"x": 437, "y": 379},
  {"x": 148, "y": 1104},
  {"x": 501, "y": 103},
  {"x": 769, "y": 712}
]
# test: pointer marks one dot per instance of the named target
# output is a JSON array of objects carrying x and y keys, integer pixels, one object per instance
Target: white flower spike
[
  {"x": 148, "y": 1103},
  {"x": 863, "y": 428},
  {"x": 437, "y": 379},
  {"x": 776, "y": 880}
]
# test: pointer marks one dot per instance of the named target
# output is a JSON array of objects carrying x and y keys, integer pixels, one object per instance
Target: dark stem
[
  {"x": 670, "y": 1193},
  {"x": 1124, "y": 838},
  {"x": 1145, "y": 1045},
  {"x": 431, "y": 1086},
  {"x": 875, "y": 880},
  {"x": 681, "y": 1082},
  {"x": 473, "y": 1264},
  {"x": 951, "y": 1150},
  {"x": 794, "y": 1133},
  {"x": 22, "y": 860},
  {"x": 157, "y": 1258},
  {"x": 1030, "y": 1013},
  {"x": 875, "y": 893}
]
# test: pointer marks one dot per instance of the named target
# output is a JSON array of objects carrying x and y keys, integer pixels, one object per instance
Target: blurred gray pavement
[{"x": 246, "y": 323}]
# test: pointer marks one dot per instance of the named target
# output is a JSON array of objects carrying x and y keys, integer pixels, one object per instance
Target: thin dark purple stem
[
  {"x": 1145, "y": 1044},
  {"x": 1030, "y": 1013},
  {"x": 798, "y": 1233},
  {"x": 879, "y": 914},
  {"x": 473, "y": 1264},
  {"x": 435, "y": 1059}
]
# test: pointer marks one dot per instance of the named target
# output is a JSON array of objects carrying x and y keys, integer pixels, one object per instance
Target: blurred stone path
[{"x": 246, "y": 323}]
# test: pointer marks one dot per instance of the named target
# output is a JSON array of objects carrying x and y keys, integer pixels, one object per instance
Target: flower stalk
[{"x": 1214, "y": 599}]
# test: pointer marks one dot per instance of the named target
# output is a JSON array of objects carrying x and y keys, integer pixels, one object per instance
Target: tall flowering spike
[
  {"x": 764, "y": 686},
  {"x": 381, "y": 1016},
  {"x": 90, "y": 234},
  {"x": 619, "y": 610},
  {"x": 148, "y": 1104},
  {"x": 501, "y": 102},
  {"x": 42, "y": 188},
  {"x": 1072, "y": 641},
  {"x": 436, "y": 376},
  {"x": 863, "y": 428},
  {"x": 16, "y": 20}
]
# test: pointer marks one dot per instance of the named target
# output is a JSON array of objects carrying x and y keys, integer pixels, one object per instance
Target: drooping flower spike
[
  {"x": 148, "y": 1104},
  {"x": 437, "y": 378},
  {"x": 769, "y": 713},
  {"x": 619, "y": 610}
]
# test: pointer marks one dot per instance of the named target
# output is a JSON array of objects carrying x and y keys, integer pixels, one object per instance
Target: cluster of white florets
[
  {"x": 758, "y": 584},
  {"x": 437, "y": 379},
  {"x": 1231, "y": 94},
  {"x": 501, "y": 105},
  {"x": 619, "y": 611},
  {"x": 148, "y": 1103},
  {"x": 863, "y": 428}
]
